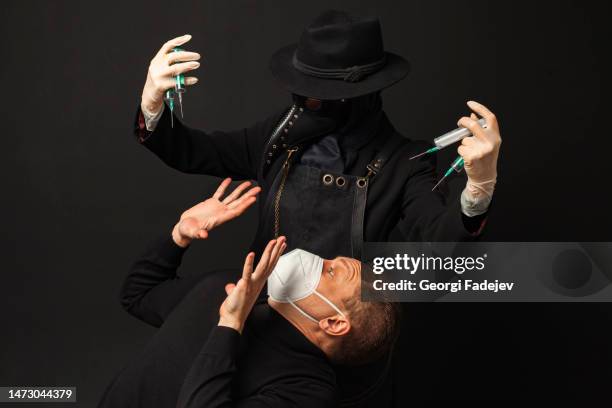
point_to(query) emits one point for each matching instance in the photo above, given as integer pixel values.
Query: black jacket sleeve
(208, 383)
(152, 287)
(235, 154)
(425, 214)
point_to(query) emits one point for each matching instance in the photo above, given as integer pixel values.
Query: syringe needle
(456, 165)
(418, 155)
(438, 183)
(432, 150)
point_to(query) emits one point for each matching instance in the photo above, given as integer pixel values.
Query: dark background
(81, 197)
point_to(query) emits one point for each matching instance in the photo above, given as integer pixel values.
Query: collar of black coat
(362, 133)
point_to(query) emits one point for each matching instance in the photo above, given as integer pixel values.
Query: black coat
(400, 204)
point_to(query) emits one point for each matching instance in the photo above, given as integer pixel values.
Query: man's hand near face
(242, 296)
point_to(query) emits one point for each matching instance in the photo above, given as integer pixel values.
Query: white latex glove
(162, 70)
(480, 154)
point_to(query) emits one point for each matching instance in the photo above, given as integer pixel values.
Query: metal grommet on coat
(328, 179)
(340, 181)
(362, 182)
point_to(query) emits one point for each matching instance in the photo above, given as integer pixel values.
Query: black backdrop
(80, 197)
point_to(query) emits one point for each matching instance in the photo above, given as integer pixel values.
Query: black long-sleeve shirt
(192, 362)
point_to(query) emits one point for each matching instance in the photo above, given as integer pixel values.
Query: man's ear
(337, 325)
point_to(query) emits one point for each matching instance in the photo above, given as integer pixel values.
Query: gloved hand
(161, 73)
(480, 152)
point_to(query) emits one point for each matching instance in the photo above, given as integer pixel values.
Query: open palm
(242, 295)
(196, 222)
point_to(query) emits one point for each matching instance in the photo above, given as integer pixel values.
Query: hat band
(350, 74)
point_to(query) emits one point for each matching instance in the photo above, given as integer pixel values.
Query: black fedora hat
(337, 57)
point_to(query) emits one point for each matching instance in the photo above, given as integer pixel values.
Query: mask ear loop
(329, 302)
(323, 298)
(306, 315)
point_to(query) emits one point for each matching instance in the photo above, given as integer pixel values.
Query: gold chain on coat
(279, 193)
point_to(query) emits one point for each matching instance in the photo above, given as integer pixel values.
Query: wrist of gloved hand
(151, 118)
(476, 196)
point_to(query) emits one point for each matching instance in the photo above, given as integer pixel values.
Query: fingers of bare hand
(221, 189)
(175, 42)
(280, 242)
(180, 68)
(263, 271)
(265, 257)
(248, 197)
(484, 112)
(229, 288)
(242, 284)
(191, 80)
(236, 193)
(202, 234)
(181, 56)
(237, 207)
(277, 251)
(247, 270)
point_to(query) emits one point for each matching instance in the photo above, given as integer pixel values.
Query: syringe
(169, 98)
(456, 165)
(179, 89)
(179, 85)
(449, 138)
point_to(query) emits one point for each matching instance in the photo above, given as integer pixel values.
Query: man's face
(340, 280)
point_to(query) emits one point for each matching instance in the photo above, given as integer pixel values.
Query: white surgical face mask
(296, 276)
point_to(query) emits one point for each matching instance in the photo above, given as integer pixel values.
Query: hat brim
(394, 70)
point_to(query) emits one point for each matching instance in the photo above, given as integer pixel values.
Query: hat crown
(336, 40)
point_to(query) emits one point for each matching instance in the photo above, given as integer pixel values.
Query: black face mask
(347, 113)
(338, 110)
